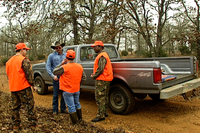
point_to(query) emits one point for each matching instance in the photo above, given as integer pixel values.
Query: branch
(186, 12)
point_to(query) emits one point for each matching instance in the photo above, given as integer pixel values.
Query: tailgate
(179, 89)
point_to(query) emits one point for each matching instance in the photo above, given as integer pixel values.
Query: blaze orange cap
(98, 43)
(70, 54)
(21, 46)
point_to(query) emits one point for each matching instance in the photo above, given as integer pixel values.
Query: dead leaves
(47, 123)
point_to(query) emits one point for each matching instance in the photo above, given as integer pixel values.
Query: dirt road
(174, 115)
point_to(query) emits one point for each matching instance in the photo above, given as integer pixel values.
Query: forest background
(147, 28)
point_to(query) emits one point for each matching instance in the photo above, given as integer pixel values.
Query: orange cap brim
(27, 48)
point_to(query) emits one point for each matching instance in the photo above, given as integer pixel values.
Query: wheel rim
(117, 100)
(38, 84)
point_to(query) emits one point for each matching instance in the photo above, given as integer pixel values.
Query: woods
(150, 28)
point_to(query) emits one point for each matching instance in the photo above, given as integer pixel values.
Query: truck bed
(184, 68)
(178, 80)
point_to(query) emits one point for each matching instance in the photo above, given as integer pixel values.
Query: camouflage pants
(101, 97)
(25, 98)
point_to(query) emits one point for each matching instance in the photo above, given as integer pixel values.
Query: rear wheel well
(119, 81)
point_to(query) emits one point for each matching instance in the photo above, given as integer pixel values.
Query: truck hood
(39, 65)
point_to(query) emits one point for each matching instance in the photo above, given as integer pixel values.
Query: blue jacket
(54, 60)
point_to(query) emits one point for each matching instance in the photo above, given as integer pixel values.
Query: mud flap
(191, 94)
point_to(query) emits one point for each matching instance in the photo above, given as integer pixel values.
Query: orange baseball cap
(98, 43)
(21, 46)
(70, 54)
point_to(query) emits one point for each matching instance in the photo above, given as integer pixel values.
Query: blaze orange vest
(16, 76)
(71, 78)
(107, 74)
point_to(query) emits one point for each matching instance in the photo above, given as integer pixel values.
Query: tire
(121, 99)
(141, 96)
(42, 88)
(156, 97)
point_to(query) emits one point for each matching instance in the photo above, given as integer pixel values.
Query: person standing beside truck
(103, 75)
(54, 59)
(71, 76)
(20, 77)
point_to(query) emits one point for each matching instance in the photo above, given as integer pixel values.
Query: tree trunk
(125, 41)
(74, 21)
(139, 47)
(118, 41)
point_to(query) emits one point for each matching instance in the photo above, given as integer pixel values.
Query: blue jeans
(72, 101)
(55, 98)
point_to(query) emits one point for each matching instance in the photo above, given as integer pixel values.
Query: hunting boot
(79, 114)
(73, 117)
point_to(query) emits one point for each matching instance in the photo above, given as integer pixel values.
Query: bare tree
(193, 14)
(114, 19)
(90, 18)
(40, 23)
(141, 12)
(74, 17)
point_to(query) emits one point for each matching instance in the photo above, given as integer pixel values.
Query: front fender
(37, 73)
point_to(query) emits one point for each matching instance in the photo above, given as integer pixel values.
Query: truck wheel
(42, 88)
(121, 99)
(156, 97)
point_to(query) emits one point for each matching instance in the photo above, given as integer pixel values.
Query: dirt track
(173, 115)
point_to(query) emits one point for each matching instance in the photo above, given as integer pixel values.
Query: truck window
(65, 50)
(111, 51)
(87, 53)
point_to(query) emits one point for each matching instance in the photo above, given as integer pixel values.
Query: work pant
(101, 97)
(25, 98)
(72, 101)
(56, 91)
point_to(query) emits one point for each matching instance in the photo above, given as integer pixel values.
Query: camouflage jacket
(26, 66)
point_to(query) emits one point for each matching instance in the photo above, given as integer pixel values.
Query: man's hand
(64, 61)
(34, 88)
(92, 75)
(55, 78)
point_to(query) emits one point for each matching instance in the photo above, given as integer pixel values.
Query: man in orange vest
(71, 75)
(103, 75)
(20, 76)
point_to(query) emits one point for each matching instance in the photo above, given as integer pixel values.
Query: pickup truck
(133, 78)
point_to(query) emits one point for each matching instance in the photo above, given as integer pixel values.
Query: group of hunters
(67, 77)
